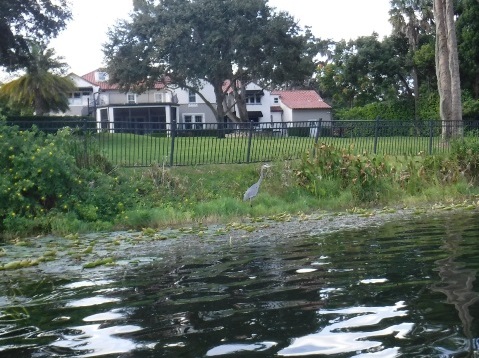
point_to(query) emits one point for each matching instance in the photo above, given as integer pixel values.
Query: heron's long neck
(260, 176)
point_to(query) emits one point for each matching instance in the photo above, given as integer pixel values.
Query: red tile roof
(302, 99)
(105, 85)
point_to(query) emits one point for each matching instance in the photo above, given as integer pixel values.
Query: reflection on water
(340, 336)
(239, 348)
(406, 289)
(456, 283)
(91, 301)
(94, 340)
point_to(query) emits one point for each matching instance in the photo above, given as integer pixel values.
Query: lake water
(403, 289)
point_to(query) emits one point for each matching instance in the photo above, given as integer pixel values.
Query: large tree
(42, 88)
(365, 70)
(447, 69)
(190, 42)
(26, 20)
(468, 43)
(412, 19)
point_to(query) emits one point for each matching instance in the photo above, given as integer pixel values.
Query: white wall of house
(200, 109)
(207, 91)
(276, 116)
(287, 113)
(81, 100)
(193, 105)
(264, 105)
(312, 114)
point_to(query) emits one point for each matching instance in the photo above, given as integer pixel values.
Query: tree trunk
(415, 80)
(220, 111)
(240, 99)
(39, 105)
(447, 69)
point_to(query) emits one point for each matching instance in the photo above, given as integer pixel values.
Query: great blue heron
(253, 189)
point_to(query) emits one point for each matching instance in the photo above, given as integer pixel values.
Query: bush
(38, 173)
(51, 124)
(329, 172)
(466, 153)
(299, 132)
(45, 177)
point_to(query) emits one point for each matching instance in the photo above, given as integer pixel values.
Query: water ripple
(341, 337)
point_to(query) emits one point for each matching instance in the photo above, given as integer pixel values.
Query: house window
(193, 121)
(191, 97)
(253, 99)
(276, 100)
(131, 98)
(75, 98)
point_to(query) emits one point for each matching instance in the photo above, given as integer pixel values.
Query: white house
(156, 108)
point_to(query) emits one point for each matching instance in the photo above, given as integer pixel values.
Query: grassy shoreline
(48, 188)
(212, 194)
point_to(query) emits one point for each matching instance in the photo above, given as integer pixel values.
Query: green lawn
(143, 150)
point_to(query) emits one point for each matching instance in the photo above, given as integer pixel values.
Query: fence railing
(140, 143)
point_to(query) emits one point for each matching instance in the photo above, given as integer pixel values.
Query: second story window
(191, 97)
(131, 98)
(253, 99)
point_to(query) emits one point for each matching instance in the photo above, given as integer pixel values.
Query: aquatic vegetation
(99, 262)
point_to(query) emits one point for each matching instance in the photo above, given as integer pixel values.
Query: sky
(81, 43)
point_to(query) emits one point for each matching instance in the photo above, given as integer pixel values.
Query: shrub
(44, 177)
(329, 172)
(466, 153)
(38, 173)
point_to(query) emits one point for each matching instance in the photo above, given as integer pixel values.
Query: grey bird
(253, 189)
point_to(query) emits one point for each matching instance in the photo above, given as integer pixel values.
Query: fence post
(318, 131)
(173, 135)
(85, 145)
(317, 135)
(376, 133)
(250, 138)
(430, 136)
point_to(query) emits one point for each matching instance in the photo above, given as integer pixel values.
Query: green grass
(143, 150)
(213, 193)
(158, 196)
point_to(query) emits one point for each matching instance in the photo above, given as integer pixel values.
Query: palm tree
(42, 88)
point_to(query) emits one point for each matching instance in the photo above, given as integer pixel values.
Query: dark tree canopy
(365, 70)
(197, 41)
(468, 39)
(27, 20)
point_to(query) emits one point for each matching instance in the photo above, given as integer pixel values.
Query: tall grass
(377, 180)
(326, 178)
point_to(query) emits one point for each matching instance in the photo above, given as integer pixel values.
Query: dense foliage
(188, 42)
(468, 43)
(26, 20)
(328, 172)
(402, 109)
(385, 73)
(43, 177)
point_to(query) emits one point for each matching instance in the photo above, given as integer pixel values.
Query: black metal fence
(147, 143)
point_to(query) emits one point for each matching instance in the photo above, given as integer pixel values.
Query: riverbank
(96, 254)
(78, 197)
